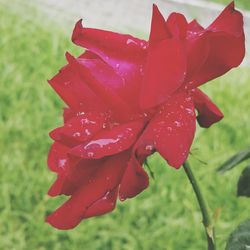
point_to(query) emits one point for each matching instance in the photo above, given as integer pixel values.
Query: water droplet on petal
(169, 129)
(90, 154)
(76, 134)
(149, 148)
(87, 132)
(130, 41)
(62, 163)
(177, 124)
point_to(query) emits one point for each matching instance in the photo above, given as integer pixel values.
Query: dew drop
(130, 41)
(87, 132)
(149, 148)
(177, 124)
(169, 129)
(66, 83)
(122, 198)
(77, 134)
(90, 154)
(62, 163)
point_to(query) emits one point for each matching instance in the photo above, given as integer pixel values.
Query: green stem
(209, 228)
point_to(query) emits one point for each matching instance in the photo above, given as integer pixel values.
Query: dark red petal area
(103, 81)
(76, 173)
(223, 45)
(100, 186)
(110, 142)
(171, 131)
(75, 92)
(164, 72)
(79, 129)
(135, 178)
(209, 113)
(104, 205)
(159, 30)
(124, 53)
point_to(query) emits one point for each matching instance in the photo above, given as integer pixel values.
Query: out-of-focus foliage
(240, 238)
(243, 4)
(235, 160)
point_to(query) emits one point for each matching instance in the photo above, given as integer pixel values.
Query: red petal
(79, 128)
(209, 113)
(110, 142)
(229, 21)
(104, 205)
(108, 44)
(134, 181)
(162, 75)
(172, 130)
(193, 28)
(68, 114)
(177, 25)
(78, 207)
(226, 46)
(124, 53)
(198, 50)
(88, 70)
(75, 92)
(74, 176)
(57, 157)
(159, 30)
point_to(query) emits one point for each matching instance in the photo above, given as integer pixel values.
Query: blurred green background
(165, 216)
(244, 4)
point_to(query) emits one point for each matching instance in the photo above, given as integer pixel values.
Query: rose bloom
(128, 98)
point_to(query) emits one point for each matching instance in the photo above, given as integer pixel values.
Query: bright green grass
(244, 4)
(165, 216)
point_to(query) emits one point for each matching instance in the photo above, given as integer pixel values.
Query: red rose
(127, 99)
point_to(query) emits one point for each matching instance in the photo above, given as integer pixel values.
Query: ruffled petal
(75, 92)
(162, 75)
(104, 205)
(103, 81)
(79, 129)
(223, 47)
(135, 179)
(172, 130)
(108, 44)
(209, 113)
(75, 174)
(124, 53)
(99, 186)
(229, 21)
(110, 142)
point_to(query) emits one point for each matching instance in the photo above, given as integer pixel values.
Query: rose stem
(209, 229)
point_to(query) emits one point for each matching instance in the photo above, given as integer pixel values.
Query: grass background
(244, 4)
(165, 216)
